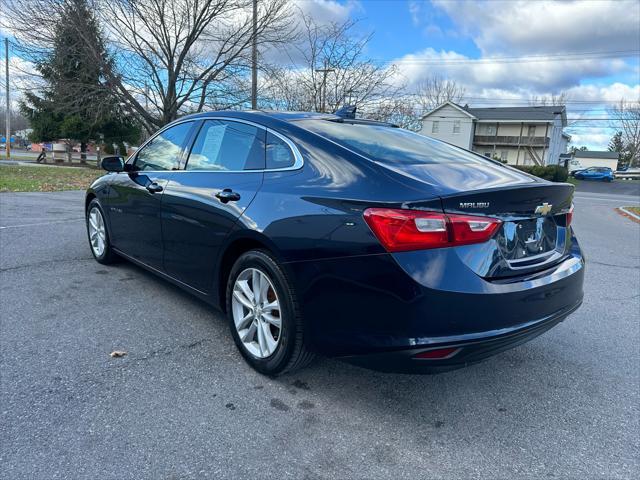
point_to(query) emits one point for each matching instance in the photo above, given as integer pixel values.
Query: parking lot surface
(183, 404)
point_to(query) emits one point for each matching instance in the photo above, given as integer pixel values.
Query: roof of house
(596, 154)
(517, 113)
(523, 114)
(451, 104)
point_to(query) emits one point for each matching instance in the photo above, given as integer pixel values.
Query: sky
(503, 52)
(588, 49)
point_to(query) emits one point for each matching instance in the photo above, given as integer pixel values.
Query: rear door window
(223, 145)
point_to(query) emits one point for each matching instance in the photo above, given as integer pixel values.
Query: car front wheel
(99, 234)
(264, 315)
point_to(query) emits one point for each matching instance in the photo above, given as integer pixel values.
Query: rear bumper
(467, 351)
(378, 309)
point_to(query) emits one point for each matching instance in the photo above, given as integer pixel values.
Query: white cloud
(535, 77)
(328, 11)
(545, 27)
(323, 12)
(415, 12)
(592, 138)
(22, 77)
(606, 93)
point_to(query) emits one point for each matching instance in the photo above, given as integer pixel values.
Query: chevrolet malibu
(320, 234)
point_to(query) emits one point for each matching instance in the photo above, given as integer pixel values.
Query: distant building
(589, 158)
(516, 135)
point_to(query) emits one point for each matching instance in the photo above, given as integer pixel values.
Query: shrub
(554, 173)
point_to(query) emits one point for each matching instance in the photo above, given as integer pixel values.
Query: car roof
(284, 116)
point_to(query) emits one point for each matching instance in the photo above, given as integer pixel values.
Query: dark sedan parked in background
(351, 238)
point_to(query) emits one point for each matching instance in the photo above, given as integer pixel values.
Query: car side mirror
(113, 164)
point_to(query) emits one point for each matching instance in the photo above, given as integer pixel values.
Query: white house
(517, 135)
(589, 158)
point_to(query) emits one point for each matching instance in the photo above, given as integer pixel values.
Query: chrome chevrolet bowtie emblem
(544, 209)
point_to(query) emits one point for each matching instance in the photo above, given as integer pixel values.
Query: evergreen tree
(76, 102)
(617, 145)
(574, 149)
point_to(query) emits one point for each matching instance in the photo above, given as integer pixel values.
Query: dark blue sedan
(603, 174)
(350, 238)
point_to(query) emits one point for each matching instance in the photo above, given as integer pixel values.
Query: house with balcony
(515, 135)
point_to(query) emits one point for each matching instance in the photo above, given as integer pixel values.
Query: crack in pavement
(163, 351)
(631, 267)
(44, 262)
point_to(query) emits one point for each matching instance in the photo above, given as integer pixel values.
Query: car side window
(165, 150)
(279, 154)
(227, 146)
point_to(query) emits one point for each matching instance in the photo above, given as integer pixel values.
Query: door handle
(153, 187)
(227, 195)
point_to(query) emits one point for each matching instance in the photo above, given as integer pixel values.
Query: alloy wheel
(97, 232)
(256, 312)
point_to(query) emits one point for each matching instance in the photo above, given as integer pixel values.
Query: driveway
(617, 187)
(183, 404)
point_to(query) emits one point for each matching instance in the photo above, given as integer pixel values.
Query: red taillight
(400, 230)
(570, 216)
(468, 229)
(438, 354)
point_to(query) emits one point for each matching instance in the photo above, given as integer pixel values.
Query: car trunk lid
(533, 233)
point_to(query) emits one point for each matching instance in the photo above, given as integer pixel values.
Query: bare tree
(437, 90)
(328, 69)
(549, 100)
(625, 117)
(399, 110)
(167, 57)
(186, 53)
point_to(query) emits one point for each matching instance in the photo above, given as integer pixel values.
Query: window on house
(435, 127)
(456, 126)
(486, 129)
(532, 131)
(487, 154)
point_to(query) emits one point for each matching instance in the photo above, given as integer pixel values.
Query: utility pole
(323, 88)
(8, 108)
(254, 58)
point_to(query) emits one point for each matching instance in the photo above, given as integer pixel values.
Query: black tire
(108, 256)
(292, 352)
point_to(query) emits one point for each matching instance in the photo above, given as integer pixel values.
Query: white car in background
(628, 174)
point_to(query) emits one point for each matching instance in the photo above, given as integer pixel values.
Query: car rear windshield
(388, 144)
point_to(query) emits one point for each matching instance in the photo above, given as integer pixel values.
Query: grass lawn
(18, 178)
(29, 156)
(572, 181)
(635, 210)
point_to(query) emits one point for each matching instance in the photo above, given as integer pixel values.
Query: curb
(629, 214)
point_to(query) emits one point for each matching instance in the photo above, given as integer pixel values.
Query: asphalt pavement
(183, 404)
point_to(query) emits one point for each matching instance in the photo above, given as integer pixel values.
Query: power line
(518, 59)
